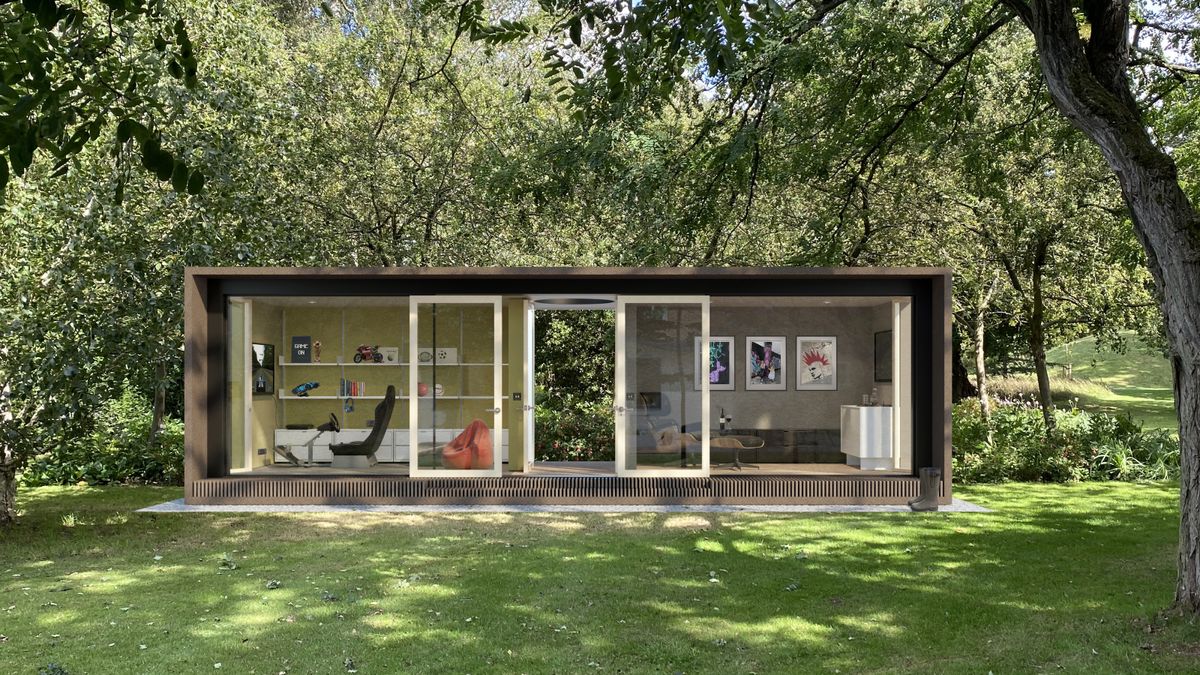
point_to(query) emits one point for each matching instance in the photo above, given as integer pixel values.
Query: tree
(68, 69)
(628, 53)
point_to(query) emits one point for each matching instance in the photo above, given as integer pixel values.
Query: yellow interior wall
(468, 329)
(237, 374)
(382, 326)
(514, 381)
(264, 328)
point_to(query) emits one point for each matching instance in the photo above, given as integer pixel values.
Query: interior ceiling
(331, 301)
(578, 301)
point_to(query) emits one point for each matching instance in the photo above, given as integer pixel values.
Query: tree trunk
(960, 383)
(8, 493)
(981, 383)
(1187, 401)
(1089, 84)
(1037, 334)
(981, 376)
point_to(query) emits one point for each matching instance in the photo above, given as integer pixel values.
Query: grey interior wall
(854, 328)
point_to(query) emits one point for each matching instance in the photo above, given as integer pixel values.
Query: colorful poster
(818, 363)
(716, 364)
(766, 361)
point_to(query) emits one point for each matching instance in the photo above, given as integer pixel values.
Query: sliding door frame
(620, 396)
(414, 400)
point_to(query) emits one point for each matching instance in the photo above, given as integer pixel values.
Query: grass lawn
(1137, 382)
(1059, 577)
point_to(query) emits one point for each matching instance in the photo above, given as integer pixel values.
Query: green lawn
(1137, 382)
(1066, 577)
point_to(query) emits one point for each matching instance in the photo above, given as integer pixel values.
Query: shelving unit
(340, 329)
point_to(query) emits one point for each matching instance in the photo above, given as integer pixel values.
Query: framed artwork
(301, 349)
(818, 363)
(719, 368)
(766, 363)
(883, 356)
(262, 368)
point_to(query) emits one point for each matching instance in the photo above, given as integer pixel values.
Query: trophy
(317, 351)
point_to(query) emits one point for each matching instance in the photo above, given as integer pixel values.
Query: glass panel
(456, 389)
(664, 403)
(236, 381)
(810, 385)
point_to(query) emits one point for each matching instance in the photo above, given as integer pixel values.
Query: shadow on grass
(1057, 576)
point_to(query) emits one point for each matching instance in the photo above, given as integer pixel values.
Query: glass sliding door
(661, 394)
(455, 385)
(237, 383)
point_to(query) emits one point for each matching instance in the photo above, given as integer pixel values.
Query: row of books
(352, 389)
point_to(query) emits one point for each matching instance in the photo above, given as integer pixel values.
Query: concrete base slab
(177, 506)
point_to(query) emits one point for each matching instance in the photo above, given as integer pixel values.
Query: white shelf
(378, 365)
(339, 365)
(293, 397)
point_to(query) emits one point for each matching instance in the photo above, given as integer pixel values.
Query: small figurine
(303, 389)
(368, 353)
(317, 351)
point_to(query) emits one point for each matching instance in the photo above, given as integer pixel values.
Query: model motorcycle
(368, 353)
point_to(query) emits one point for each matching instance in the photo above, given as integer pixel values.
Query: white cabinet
(867, 436)
(399, 445)
(297, 441)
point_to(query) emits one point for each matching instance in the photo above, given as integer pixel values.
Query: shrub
(117, 451)
(570, 428)
(1083, 446)
(574, 378)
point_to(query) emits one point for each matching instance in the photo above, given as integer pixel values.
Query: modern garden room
(805, 385)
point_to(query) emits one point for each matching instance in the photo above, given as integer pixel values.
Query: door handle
(492, 410)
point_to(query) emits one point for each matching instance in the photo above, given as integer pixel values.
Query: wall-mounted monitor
(262, 369)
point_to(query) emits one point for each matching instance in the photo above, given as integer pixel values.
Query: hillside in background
(1137, 382)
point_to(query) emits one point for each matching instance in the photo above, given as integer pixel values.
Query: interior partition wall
(237, 384)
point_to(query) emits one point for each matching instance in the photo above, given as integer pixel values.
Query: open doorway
(573, 382)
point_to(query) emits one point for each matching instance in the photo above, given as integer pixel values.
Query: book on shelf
(352, 388)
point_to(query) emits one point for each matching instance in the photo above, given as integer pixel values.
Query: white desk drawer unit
(393, 448)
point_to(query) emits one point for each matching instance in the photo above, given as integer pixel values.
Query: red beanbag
(472, 449)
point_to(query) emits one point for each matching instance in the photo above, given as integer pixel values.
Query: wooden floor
(577, 469)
